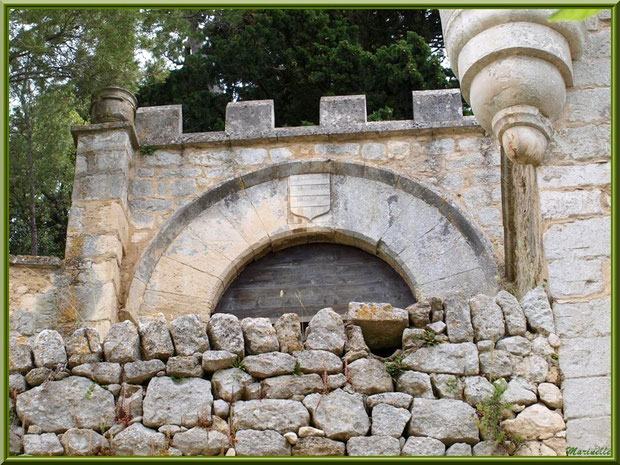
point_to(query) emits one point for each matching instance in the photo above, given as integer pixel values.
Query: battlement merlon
(161, 126)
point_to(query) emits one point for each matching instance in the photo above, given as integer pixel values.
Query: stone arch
(207, 243)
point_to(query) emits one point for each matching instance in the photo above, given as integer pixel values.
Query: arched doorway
(306, 278)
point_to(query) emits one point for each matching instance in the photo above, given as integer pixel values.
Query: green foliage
(148, 149)
(89, 392)
(175, 379)
(296, 56)
(555, 356)
(297, 370)
(382, 114)
(574, 14)
(491, 412)
(395, 366)
(239, 363)
(452, 385)
(428, 339)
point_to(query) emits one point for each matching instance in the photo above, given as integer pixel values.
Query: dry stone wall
(221, 386)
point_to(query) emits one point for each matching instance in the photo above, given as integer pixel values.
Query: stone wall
(575, 188)
(230, 387)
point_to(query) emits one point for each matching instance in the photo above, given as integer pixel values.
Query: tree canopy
(201, 58)
(296, 56)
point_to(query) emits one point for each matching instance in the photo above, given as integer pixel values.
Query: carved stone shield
(309, 195)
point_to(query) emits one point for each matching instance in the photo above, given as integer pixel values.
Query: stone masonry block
(589, 433)
(581, 357)
(343, 110)
(161, 122)
(251, 119)
(437, 105)
(587, 397)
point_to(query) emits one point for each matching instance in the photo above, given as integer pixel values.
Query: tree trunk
(34, 239)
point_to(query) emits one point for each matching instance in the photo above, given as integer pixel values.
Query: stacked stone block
(230, 387)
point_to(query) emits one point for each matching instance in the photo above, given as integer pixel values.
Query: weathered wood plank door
(306, 278)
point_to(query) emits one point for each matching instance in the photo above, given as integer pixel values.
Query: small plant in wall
(394, 366)
(297, 370)
(428, 338)
(492, 411)
(239, 363)
(148, 149)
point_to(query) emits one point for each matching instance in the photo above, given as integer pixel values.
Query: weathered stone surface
(259, 335)
(395, 399)
(291, 438)
(477, 390)
(318, 361)
(20, 356)
(550, 394)
(420, 313)
(541, 346)
(438, 327)
(536, 422)
(558, 445)
(17, 384)
(141, 371)
(270, 414)
(122, 343)
(520, 392)
(413, 338)
(460, 449)
(447, 386)
(269, 364)
(288, 330)
(317, 446)
(373, 446)
(534, 448)
(534, 368)
(199, 441)
(458, 319)
(42, 444)
(189, 334)
(83, 346)
(287, 386)
(230, 384)
(416, 446)
(262, 443)
(49, 349)
(496, 364)
(355, 346)
(516, 324)
(214, 360)
(83, 442)
(139, 440)
(389, 421)
(16, 434)
(326, 332)
(455, 359)
(225, 333)
(73, 402)
(185, 402)
(187, 366)
(535, 305)
(382, 324)
(369, 376)
(516, 345)
(415, 383)
(489, 448)
(155, 338)
(129, 403)
(310, 432)
(101, 372)
(221, 408)
(38, 376)
(341, 415)
(448, 420)
(486, 318)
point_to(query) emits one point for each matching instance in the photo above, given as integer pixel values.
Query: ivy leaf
(573, 14)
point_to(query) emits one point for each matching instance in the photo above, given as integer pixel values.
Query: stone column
(98, 229)
(514, 67)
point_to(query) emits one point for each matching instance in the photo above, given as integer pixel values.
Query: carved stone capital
(514, 67)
